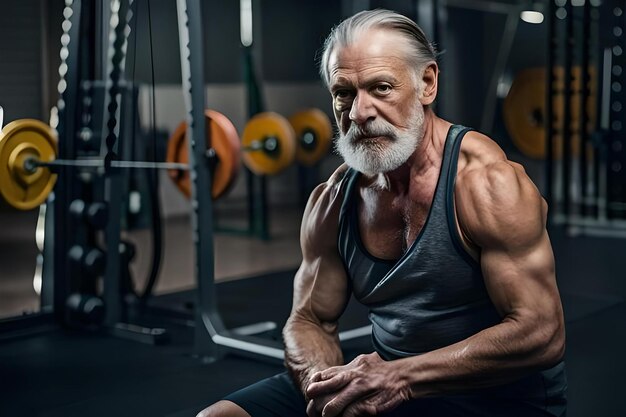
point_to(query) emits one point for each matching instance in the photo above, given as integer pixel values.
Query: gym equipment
(524, 109)
(28, 152)
(86, 309)
(95, 214)
(22, 141)
(68, 241)
(268, 143)
(224, 141)
(90, 261)
(314, 134)
(585, 175)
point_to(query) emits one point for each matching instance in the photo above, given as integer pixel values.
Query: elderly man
(438, 234)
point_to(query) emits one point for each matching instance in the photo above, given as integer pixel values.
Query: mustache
(370, 129)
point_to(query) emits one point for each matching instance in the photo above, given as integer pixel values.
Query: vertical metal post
(113, 176)
(64, 190)
(549, 120)
(427, 17)
(208, 322)
(585, 94)
(566, 148)
(258, 220)
(595, 186)
(508, 35)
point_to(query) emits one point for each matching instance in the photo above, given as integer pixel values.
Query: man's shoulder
(479, 150)
(481, 158)
(493, 193)
(325, 200)
(338, 175)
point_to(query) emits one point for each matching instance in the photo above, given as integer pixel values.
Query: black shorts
(278, 396)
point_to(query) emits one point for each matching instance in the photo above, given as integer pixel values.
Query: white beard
(372, 157)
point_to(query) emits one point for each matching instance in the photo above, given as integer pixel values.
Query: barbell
(269, 144)
(21, 141)
(314, 134)
(225, 143)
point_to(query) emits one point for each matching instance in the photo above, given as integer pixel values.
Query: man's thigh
(272, 397)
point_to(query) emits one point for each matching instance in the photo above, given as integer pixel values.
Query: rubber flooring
(69, 373)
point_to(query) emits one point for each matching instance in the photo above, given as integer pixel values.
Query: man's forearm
(309, 348)
(496, 355)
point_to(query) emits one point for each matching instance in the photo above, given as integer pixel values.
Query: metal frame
(590, 214)
(212, 338)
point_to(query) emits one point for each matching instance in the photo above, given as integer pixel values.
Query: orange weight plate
(269, 144)
(224, 140)
(525, 110)
(314, 134)
(20, 141)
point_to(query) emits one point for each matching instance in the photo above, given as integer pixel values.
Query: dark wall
(287, 36)
(462, 81)
(292, 35)
(21, 59)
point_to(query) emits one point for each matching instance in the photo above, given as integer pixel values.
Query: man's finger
(329, 372)
(329, 386)
(353, 393)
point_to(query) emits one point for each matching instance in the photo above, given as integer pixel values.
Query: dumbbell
(95, 214)
(85, 308)
(90, 261)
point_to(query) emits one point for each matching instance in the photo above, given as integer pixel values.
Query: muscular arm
(502, 213)
(320, 290)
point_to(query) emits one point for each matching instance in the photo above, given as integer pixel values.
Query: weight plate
(524, 110)
(224, 140)
(314, 134)
(21, 140)
(268, 143)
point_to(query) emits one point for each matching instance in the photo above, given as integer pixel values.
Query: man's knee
(223, 409)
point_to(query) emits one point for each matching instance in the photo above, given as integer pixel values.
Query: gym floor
(64, 373)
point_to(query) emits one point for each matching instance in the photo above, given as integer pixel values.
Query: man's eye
(383, 88)
(342, 94)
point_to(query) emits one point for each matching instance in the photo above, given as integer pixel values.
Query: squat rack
(212, 338)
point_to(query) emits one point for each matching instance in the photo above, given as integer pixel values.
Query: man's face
(375, 102)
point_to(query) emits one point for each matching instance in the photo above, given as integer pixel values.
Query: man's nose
(362, 109)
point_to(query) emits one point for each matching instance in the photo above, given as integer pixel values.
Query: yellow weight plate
(22, 140)
(314, 134)
(268, 143)
(225, 142)
(525, 110)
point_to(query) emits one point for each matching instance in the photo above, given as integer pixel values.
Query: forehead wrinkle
(368, 74)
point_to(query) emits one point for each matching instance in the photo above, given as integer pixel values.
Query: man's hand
(366, 386)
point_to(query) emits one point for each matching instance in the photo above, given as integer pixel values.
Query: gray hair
(421, 50)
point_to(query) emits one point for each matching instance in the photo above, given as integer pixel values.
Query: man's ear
(429, 84)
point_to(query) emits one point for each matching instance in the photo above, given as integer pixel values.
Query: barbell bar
(31, 164)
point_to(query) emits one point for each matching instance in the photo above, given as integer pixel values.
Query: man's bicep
(321, 285)
(321, 290)
(505, 216)
(522, 282)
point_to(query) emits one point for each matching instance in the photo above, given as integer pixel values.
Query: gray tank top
(434, 295)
